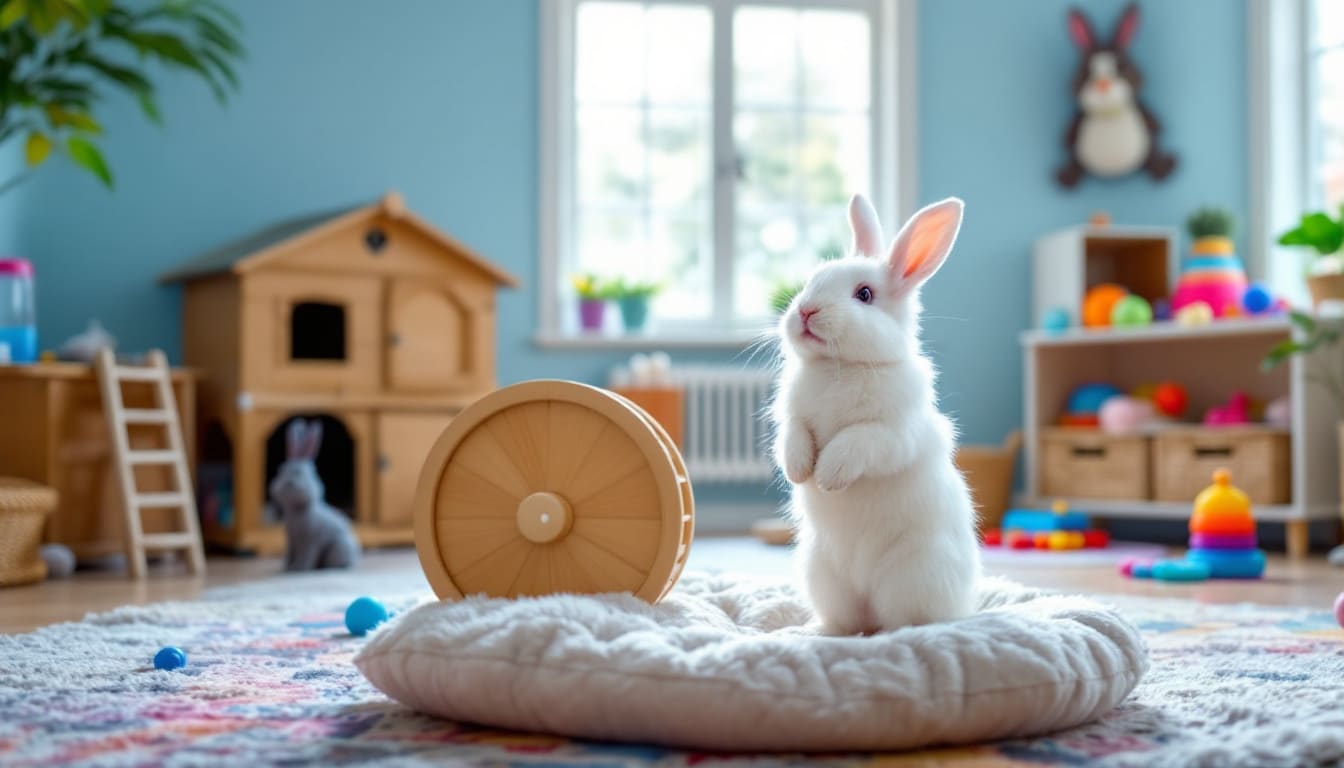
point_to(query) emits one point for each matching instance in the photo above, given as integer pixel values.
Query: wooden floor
(1311, 582)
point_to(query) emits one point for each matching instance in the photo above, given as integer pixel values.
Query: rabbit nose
(807, 312)
(1103, 85)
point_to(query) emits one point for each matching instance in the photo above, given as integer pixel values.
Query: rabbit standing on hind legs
(886, 526)
(316, 535)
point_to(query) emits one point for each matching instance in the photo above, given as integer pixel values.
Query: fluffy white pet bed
(728, 664)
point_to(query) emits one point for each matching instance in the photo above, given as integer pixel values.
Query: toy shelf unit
(1069, 262)
(366, 319)
(1295, 470)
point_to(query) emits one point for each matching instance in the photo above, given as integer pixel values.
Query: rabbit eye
(864, 294)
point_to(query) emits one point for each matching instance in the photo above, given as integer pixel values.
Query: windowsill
(734, 338)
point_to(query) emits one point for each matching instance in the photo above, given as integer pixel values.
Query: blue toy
(1056, 320)
(1257, 299)
(1142, 571)
(169, 658)
(1180, 570)
(364, 614)
(1088, 398)
(1230, 563)
(1036, 521)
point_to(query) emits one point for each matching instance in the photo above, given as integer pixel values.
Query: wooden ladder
(164, 413)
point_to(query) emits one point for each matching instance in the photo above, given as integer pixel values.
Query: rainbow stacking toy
(1222, 540)
(1222, 532)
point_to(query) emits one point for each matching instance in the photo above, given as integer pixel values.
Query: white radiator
(727, 426)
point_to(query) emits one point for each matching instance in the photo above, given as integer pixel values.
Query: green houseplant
(593, 293)
(60, 58)
(633, 298)
(1324, 235)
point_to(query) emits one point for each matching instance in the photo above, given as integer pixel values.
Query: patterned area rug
(270, 682)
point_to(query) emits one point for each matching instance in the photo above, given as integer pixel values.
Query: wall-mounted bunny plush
(886, 526)
(316, 535)
(1112, 133)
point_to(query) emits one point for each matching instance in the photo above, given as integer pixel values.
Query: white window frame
(1281, 188)
(893, 155)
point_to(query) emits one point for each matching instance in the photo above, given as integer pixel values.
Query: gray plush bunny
(317, 536)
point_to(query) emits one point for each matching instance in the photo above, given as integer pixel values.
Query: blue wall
(439, 100)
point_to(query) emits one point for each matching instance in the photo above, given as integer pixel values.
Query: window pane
(803, 131)
(1330, 126)
(1328, 21)
(643, 160)
(609, 52)
(765, 55)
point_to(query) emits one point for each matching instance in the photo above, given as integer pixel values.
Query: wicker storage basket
(989, 473)
(1084, 463)
(24, 506)
(1258, 457)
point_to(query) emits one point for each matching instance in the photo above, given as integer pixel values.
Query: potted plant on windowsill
(633, 298)
(593, 293)
(1325, 276)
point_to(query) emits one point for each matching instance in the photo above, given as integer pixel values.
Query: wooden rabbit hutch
(366, 318)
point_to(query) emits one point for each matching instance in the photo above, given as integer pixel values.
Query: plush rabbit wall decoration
(316, 535)
(1112, 132)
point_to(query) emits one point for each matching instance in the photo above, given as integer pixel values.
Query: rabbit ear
(865, 225)
(313, 440)
(294, 439)
(924, 243)
(1080, 30)
(1127, 26)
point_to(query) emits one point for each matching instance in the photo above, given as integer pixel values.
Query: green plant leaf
(1302, 320)
(37, 149)
(1278, 353)
(150, 108)
(1322, 232)
(12, 13)
(83, 152)
(64, 118)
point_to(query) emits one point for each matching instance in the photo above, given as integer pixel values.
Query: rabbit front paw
(799, 456)
(836, 470)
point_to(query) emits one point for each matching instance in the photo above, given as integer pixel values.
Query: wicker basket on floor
(24, 506)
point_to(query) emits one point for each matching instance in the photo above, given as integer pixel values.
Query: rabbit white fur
(886, 524)
(316, 535)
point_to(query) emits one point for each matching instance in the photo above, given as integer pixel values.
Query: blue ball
(1056, 320)
(1089, 397)
(170, 657)
(1161, 309)
(364, 614)
(1257, 299)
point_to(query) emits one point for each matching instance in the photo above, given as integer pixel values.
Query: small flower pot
(634, 312)
(592, 313)
(1325, 288)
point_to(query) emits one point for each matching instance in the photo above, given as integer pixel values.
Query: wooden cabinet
(54, 433)
(404, 442)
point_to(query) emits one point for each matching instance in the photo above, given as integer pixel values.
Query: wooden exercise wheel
(553, 486)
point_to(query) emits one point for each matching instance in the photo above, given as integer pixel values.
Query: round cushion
(728, 664)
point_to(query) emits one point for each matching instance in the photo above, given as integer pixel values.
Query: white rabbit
(886, 523)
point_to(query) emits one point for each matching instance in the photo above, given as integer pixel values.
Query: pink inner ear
(928, 238)
(1079, 31)
(1129, 24)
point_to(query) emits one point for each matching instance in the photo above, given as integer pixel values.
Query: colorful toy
(1257, 300)
(1084, 404)
(169, 658)
(1279, 412)
(1171, 399)
(1212, 273)
(1056, 320)
(1180, 570)
(1123, 415)
(1237, 410)
(1057, 529)
(363, 614)
(1194, 314)
(1339, 609)
(1099, 303)
(1131, 312)
(1222, 540)
(1162, 310)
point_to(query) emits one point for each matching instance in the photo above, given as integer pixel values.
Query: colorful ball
(1099, 302)
(1257, 299)
(169, 658)
(1056, 320)
(992, 537)
(1170, 399)
(1194, 314)
(1088, 398)
(1131, 312)
(364, 614)
(1339, 609)
(1122, 415)
(1162, 309)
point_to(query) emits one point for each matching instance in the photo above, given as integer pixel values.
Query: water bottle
(18, 314)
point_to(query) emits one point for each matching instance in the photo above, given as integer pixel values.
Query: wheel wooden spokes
(552, 487)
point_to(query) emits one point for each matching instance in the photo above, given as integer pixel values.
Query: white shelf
(1157, 332)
